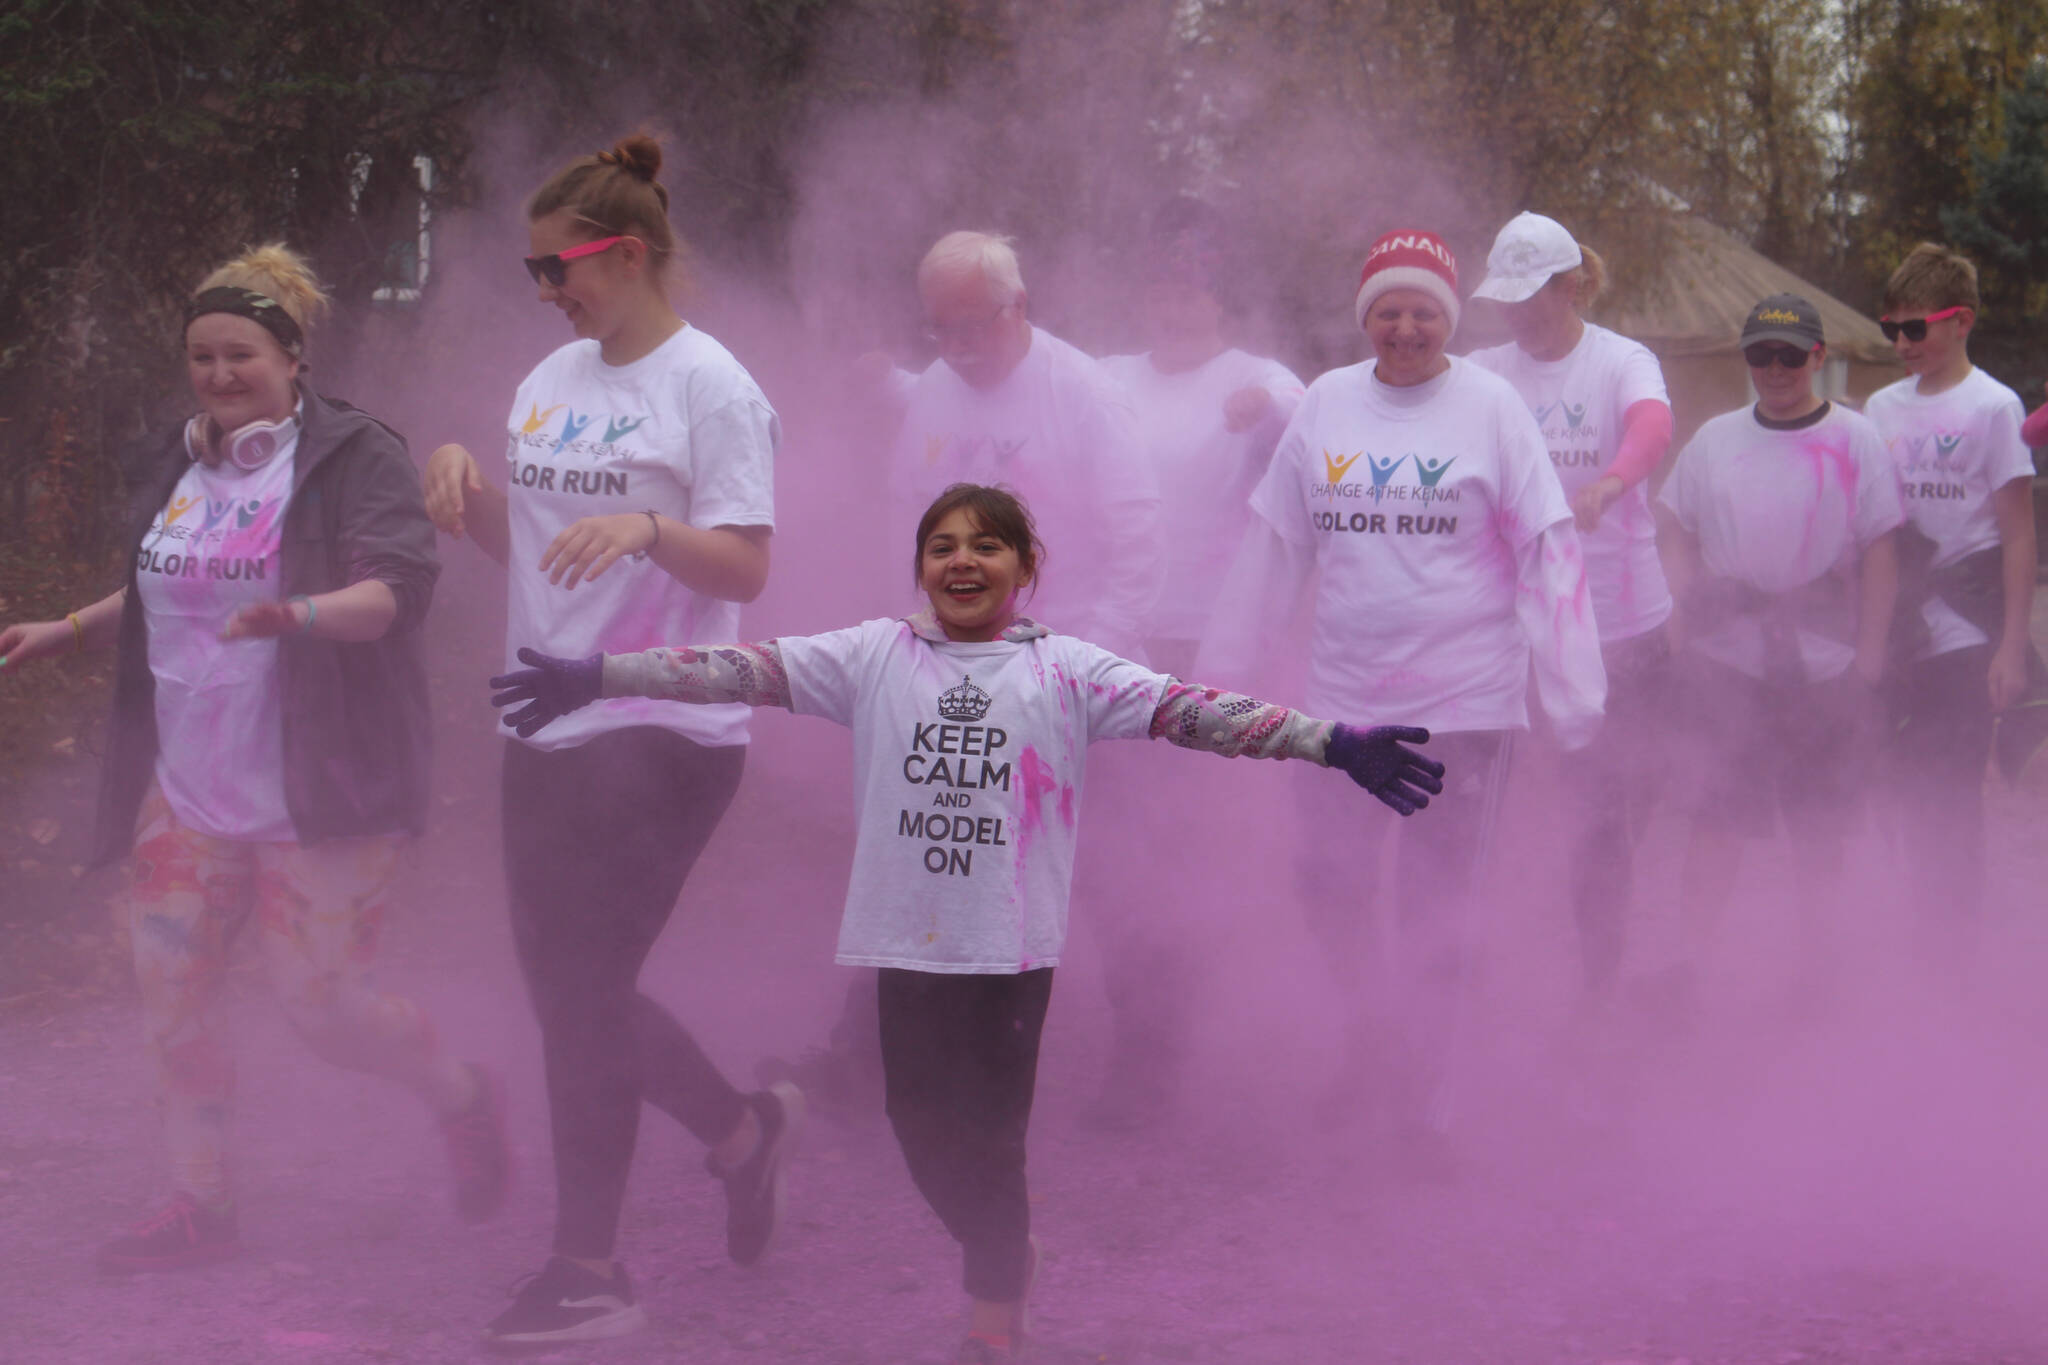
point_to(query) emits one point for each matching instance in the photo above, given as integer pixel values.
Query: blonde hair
(616, 194)
(1932, 278)
(989, 255)
(277, 272)
(1588, 277)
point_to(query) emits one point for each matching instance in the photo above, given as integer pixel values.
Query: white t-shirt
(684, 431)
(1579, 402)
(1953, 451)
(1206, 472)
(1416, 502)
(219, 722)
(968, 770)
(1060, 432)
(1779, 509)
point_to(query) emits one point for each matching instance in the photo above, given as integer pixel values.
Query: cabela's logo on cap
(965, 701)
(1777, 315)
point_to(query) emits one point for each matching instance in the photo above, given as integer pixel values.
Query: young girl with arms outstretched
(971, 727)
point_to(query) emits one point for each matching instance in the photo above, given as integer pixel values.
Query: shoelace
(524, 1285)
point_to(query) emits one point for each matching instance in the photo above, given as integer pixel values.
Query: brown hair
(1588, 278)
(277, 272)
(615, 194)
(1930, 279)
(994, 511)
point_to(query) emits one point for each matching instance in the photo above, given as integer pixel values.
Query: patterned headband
(247, 303)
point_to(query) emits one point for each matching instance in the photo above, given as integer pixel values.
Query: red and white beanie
(1410, 258)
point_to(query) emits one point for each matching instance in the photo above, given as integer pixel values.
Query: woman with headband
(267, 754)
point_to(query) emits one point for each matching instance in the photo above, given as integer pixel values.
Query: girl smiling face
(972, 577)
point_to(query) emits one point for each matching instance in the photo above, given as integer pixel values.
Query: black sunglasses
(1914, 329)
(554, 267)
(1763, 355)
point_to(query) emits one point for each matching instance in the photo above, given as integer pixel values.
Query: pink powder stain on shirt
(1822, 454)
(1059, 691)
(642, 622)
(1038, 780)
(253, 541)
(1564, 553)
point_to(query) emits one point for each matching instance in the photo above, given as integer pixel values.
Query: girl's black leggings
(960, 1062)
(598, 840)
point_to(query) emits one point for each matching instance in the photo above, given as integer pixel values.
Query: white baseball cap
(1528, 251)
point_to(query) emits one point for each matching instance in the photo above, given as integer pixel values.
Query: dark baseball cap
(1783, 317)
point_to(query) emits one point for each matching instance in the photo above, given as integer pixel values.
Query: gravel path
(1837, 1172)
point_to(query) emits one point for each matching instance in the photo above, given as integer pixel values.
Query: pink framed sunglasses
(1915, 329)
(553, 268)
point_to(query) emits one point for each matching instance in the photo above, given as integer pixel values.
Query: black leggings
(960, 1061)
(598, 840)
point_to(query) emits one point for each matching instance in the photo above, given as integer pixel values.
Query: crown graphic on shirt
(965, 701)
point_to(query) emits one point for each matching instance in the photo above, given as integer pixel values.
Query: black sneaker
(754, 1191)
(563, 1302)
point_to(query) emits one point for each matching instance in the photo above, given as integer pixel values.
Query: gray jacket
(356, 728)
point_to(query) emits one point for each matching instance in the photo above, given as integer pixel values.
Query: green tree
(2003, 226)
(147, 140)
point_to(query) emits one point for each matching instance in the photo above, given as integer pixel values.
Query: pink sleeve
(2034, 431)
(1645, 436)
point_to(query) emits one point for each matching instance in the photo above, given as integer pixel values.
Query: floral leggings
(319, 910)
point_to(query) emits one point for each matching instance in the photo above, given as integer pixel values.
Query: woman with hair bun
(268, 751)
(638, 510)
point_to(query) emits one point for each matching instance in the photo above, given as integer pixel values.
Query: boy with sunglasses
(1967, 572)
(1778, 527)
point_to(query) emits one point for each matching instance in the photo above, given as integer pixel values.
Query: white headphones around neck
(246, 447)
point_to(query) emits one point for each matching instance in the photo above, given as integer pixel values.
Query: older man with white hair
(1007, 402)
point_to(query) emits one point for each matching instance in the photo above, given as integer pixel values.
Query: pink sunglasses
(554, 267)
(1915, 329)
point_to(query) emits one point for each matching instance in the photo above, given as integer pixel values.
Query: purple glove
(1380, 761)
(551, 688)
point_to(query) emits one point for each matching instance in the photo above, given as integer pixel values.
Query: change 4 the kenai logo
(1424, 481)
(1409, 477)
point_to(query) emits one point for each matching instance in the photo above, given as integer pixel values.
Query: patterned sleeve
(1237, 726)
(749, 674)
